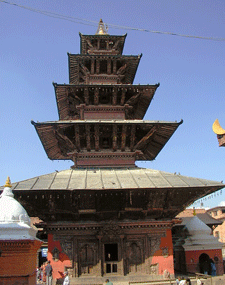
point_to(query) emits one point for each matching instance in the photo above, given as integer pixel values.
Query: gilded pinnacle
(8, 182)
(102, 28)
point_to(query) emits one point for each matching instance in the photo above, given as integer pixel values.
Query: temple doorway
(204, 264)
(111, 257)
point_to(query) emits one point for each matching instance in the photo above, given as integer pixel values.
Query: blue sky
(33, 54)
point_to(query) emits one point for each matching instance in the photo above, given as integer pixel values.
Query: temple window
(111, 252)
(103, 66)
(104, 97)
(103, 44)
(111, 257)
(55, 254)
(105, 143)
(94, 42)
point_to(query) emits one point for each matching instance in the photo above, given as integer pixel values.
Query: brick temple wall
(18, 262)
(142, 250)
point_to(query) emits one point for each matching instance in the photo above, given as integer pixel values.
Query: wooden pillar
(109, 66)
(114, 137)
(86, 96)
(123, 97)
(123, 139)
(101, 255)
(97, 137)
(76, 265)
(123, 254)
(97, 66)
(126, 110)
(88, 137)
(149, 254)
(81, 108)
(96, 96)
(114, 66)
(114, 96)
(77, 137)
(132, 137)
(92, 66)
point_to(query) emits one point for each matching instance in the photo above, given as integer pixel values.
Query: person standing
(66, 280)
(44, 272)
(48, 271)
(108, 282)
(188, 281)
(213, 268)
(183, 281)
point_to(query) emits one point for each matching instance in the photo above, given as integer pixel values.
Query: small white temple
(202, 248)
(201, 237)
(18, 242)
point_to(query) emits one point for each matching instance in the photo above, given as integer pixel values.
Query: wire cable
(94, 23)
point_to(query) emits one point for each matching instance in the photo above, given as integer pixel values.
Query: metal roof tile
(44, 182)
(100, 178)
(110, 180)
(26, 184)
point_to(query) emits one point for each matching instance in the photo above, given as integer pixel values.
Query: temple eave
(104, 140)
(86, 101)
(92, 203)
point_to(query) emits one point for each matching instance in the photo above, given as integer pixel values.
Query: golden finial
(194, 212)
(217, 128)
(8, 182)
(102, 29)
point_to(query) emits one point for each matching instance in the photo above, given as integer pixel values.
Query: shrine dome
(14, 220)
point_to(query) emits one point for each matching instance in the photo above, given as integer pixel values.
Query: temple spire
(102, 28)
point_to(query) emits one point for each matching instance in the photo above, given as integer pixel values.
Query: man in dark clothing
(48, 270)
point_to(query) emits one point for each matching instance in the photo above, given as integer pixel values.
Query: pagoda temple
(106, 217)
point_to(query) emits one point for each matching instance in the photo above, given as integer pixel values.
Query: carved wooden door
(86, 260)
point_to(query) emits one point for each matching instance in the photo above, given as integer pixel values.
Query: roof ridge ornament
(102, 28)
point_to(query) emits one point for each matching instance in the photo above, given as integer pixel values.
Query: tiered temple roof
(100, 111)
(122, 101)
(93, 194)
